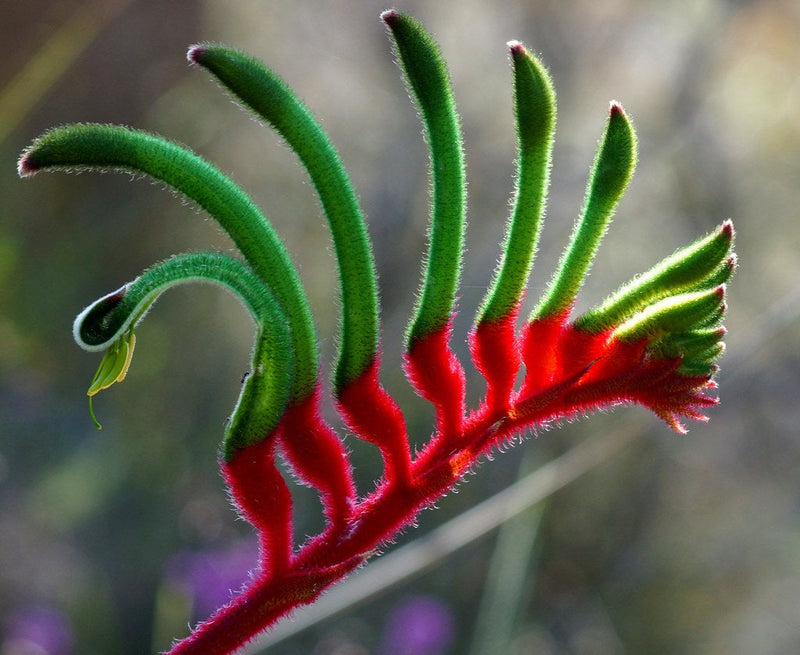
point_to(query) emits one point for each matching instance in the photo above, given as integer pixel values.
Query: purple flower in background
(210, 576)
(420, 625)
(40, 630)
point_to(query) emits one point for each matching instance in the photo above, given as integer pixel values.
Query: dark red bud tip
(390, 17)
(727, 229)
(26, 167)
(516, 48)
(195, 54)
(616, 110)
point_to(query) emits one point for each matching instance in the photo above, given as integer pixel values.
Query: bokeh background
(113, 541)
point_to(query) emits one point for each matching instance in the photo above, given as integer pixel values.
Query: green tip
(267, 95)
(429, 84)
(683, 313)
(535, 110)
(611, 172)
(688, 344)
(699, 266)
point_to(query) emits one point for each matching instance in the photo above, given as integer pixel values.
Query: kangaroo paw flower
(654, 342)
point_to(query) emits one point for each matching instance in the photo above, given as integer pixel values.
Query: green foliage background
(677, 545)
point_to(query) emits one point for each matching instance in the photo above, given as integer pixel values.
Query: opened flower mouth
(653, 342)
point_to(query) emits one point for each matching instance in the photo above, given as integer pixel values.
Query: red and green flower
(653, 342)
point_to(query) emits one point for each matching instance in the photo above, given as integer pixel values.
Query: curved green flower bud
(265, 392)
(109, 317)
(109, 322)
(429, 83)
(111, 147)
(611, 172)
(721, 275)
(694, 267)
(682, 313)
(535, 109)
(269, 97)
(688, 344)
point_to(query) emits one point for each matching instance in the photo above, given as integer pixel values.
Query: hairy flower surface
(653, 342)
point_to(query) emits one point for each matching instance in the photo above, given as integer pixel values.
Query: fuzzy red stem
(373, 415)
(436, 374)
(496, 352)
(260, 493)
(258, 607)
(318, 458)
(539, 338)
(568, 371)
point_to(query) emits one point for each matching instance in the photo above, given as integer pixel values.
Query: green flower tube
(611, 172)
(429, 83)
(693, 268)
(111, 147)
(535, 110)
(270, 98)
(109, 323)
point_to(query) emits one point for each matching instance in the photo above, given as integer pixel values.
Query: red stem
(260, 493)
(588, 371)
(259, 606)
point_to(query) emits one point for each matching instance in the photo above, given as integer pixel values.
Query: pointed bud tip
(195, 54)
(615, 109)
(516, 48)
(390, 17)
(25, 167)
(727, 230)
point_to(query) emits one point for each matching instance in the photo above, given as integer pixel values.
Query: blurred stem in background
(52, 59)
(510, 579)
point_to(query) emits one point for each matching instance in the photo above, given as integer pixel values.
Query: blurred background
(114, 541)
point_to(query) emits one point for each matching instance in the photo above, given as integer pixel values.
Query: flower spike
(270, 98)
(654, 342)
(494, 346)
(430, 365)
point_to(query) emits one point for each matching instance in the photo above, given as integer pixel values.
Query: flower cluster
(653, 342)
